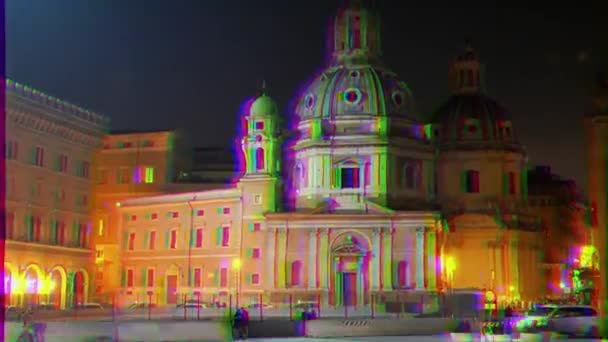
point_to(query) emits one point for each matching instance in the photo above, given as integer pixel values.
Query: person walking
(237, 324)
(245, 323)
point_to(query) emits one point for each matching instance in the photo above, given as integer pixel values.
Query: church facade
(361, 198)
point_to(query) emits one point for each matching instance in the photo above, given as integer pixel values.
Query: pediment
(349, 249)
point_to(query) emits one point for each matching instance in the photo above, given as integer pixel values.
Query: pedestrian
(237, 324)
(245, 323)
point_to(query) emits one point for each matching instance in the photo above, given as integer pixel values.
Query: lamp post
(236, 266)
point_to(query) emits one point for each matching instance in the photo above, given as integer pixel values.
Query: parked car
(141, 306)
(258, 305)
(568, 319)
(191, 309)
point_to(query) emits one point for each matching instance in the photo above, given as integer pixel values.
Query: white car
(191, 310)
(569, 319)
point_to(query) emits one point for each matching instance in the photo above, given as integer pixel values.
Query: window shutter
(217, 277)
(123, 278)
(337, 178)
(249, 252)
(396, 274)
(463, 181)
(146, 241)
(33, 155)
(144, 277)
(249, 278)
(192, 239)
(147, 216)
(250, 227)
(167, 238)
(523, 183)
(53, 231)
(218, 236)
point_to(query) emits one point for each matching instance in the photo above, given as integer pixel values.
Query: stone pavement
(384, 339)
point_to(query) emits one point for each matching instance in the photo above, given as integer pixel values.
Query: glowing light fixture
(236, 264)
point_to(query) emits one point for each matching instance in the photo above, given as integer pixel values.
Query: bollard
(184, 303)
(150, 306)
(261, 301)
(198, 306)
(319, 305)
(371, 304)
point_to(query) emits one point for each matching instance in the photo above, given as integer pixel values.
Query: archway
(80, 287)
(57, 287)
(349, 276)
(32, 278)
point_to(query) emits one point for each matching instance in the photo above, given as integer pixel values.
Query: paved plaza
(383, 339)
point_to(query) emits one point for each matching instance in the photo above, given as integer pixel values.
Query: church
(361, 198)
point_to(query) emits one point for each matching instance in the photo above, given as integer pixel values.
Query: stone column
(312, 258)
(387, 259)
(432, 260)
(281, 262)
(323, 258)
(420, 258)
(271, 260)
(375, 262)
(498, 268)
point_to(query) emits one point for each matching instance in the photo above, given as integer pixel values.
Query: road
(383, 339)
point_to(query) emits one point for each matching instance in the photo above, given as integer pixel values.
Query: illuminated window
(198, 277)
(255, 279)
(149, 175)
(130, 278)
(131, 241)
(199, 238)
(223, 277)
(470, 180)
(349, 177)
(173, 239)
(259, 159)
(138, 175)
(100, 227)
(152, 240)
(296, 270)
(150, 282)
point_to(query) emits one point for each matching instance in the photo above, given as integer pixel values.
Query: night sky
(152, 64)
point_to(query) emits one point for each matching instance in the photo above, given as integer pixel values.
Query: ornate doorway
(349, 278)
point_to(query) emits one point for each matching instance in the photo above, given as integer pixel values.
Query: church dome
(264, 106)
(354, 82)
(469, 116)
(351, 89)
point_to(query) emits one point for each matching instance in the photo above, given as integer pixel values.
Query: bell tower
(261, 149)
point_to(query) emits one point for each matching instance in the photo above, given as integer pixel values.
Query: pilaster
(271, 259)
(420, 258)
(432, 260)
(281, 257)
(387, 256)
(375, 264)
(312, 258)
(323, 258)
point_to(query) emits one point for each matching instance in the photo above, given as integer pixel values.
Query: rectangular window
(149, 176)
(133, 218)
(173, 240)
(226, 211)
(511, 183)
(200, 212)
(37, 229)
(10, 225)
(259, 125)
(255, 253)
(197, 277)
(102, 176)
(123, 176)
(82, 235)
(150, 277)
(255, 279)
(154, 216)
(257, 199)
(129, 278)
(199, 238)
(471, 181)
(173, 214)
(225, 236)
(138, 175)
(39, 156)
(147, 143)
(349, 177)
(257, 227)
(85, 169)
(63, 163)
(12, 150)
(61, 233)
(152, 240)
(100, 227)
(223, 277)
(131, 241)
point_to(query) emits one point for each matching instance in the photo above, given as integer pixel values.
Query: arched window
(259, 159)
(296, 272)
(402, 274)
(367, 173)
(301, 180)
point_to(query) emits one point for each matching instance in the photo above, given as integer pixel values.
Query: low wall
(377, 327)
(128, 331)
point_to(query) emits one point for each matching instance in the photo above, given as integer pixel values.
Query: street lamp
(236, 266)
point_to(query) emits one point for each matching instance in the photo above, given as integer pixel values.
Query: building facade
(49, 150)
